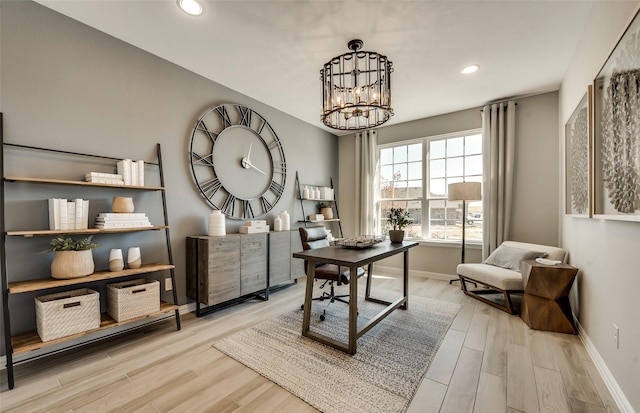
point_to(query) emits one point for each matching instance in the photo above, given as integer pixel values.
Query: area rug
(382, 376)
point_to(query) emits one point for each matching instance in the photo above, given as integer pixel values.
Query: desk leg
(353, 309)
(306, 317)
(405, 274)
(369, 280)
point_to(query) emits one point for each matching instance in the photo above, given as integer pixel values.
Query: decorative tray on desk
(360, 242)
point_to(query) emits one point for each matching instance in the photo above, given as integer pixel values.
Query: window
(414, 175)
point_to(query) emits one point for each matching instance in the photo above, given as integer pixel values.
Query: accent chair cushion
(509, 257)
(499, 277)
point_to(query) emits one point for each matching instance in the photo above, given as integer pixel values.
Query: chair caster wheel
(302, 307)
(322, 317)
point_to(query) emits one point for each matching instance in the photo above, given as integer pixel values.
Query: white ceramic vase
(134, 259)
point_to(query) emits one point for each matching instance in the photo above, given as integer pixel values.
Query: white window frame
(425, 199)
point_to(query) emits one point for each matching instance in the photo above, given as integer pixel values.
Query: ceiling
(272, 51)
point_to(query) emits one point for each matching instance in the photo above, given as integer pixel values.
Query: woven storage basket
(131, 299)
(67, 313)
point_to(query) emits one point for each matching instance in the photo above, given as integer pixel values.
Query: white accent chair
(504, 277)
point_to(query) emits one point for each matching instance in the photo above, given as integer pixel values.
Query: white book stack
(104, 178)
(254, 227)
(132, 172)
(114, 220)
(68, 215)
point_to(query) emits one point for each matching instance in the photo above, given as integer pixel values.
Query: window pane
(415, 152)
(386, 173)
(455, 146)
(437, 168)
(473, 165)
(437, 187)
(415, 189)
(400, 154)
(400, 171)
(454, 166)
(414, 170)
(437, 149)
(386, 156)
(473, 144)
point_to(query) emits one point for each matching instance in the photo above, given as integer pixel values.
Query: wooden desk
(353, 258)
(545, 303)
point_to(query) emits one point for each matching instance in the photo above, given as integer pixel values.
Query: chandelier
(356, 89)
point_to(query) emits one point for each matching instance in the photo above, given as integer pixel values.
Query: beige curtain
(366, 182)
(498, 129)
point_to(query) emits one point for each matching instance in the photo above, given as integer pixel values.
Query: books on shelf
(68, 215)
(132, 172)
(253, 229)
(104, 178)
(256, 223)
(114, 220)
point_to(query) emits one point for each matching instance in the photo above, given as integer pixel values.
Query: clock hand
(249, 164)
(249, 154)
(245, 163)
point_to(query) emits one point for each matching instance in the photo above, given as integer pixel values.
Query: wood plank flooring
(489, 361)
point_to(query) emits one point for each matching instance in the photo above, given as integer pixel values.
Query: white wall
(606, 252)
(71, 87)
(535, 212)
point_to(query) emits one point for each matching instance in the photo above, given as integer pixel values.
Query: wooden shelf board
(324, 220)
(79, 183)
(47, 283)
(30, 341)
(48, 232)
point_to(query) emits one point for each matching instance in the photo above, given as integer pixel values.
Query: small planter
(327, 212)
(72, 264)
(396, 235)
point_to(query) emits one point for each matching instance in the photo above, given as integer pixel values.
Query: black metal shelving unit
(21, 348)
(305, 220)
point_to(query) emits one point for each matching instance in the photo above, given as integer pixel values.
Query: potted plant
(326, 209)
(398, 218)
(71, 259)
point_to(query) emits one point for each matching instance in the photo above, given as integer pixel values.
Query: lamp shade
(465, 191)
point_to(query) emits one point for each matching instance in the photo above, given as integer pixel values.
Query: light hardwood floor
(489, 362)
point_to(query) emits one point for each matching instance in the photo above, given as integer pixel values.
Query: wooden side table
(545, 303)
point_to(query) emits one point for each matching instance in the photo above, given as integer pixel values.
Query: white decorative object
(312, 193)
(277, 224)
(305, 193)
(116, 262)
(286, 223)
(316, 193)
(134, 260)
(216, 224)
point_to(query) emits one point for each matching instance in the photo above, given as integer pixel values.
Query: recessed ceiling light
(191, 7)
(470, 69)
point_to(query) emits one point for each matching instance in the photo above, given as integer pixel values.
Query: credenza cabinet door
(279, 257)
(253, 263)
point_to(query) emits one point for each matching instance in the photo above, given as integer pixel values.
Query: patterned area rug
(381, 377)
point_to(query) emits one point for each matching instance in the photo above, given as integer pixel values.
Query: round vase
(116, 262)
(134, 259)
(122, 204)
(396, 235)
(72, 264)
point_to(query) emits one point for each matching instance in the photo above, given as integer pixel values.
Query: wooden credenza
(222, 269)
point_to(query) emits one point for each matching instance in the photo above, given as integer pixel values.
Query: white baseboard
(610, 381)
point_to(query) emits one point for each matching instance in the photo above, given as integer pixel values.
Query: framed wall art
(578, 159)
(616, 128)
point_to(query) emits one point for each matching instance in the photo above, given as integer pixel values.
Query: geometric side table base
(545, 303)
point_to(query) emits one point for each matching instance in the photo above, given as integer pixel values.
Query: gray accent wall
(67, 86)
(605, 251)
(536, 186)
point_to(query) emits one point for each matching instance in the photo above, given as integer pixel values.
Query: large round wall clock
(237, 161)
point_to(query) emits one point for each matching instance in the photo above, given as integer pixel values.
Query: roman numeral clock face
(237, 161)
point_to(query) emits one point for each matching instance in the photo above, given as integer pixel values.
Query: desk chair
(316, 237)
